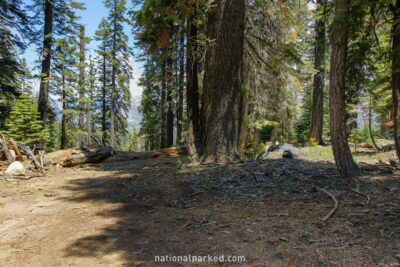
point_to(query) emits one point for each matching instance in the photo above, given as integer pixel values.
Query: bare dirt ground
(126, 213)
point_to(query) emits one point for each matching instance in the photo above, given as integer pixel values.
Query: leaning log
(79, 157)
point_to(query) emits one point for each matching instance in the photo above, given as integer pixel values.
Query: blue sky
(91, 17)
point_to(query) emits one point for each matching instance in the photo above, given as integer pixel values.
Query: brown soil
(126, 213)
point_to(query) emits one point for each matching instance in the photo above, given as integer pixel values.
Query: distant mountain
(134, 116)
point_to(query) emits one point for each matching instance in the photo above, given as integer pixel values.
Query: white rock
(15, 168)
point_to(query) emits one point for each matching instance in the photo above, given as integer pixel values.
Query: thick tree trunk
(192, 93)
(82, 87)
(179, 110)
(319, 61)
(46, 61)
(341, 151)
(223, 84)
(396, 74)
(274, 135)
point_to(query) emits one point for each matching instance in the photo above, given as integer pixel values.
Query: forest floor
(126, 213)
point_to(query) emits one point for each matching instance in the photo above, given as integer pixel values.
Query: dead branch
(30, 154)
(14, 146)
(334, 200)
(362, 194)
(5, 148)
(41, 154)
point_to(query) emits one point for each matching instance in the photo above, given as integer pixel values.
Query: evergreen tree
(133, 143)
(104, 63)
(14, 30)
(24, 125)
(121, 71)
(65, 83)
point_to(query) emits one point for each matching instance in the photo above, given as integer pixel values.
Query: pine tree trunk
(223, 84)
(64, 105)
(319, 61)
(46, 61)
(82, 87)
(103, 109)
(192, 93)
(371, 136)
(113, 85)
(179, 111)
(256, 140)
(396, 74)
(341, 151)
(170, 106)
(89, 123)
(164, 105)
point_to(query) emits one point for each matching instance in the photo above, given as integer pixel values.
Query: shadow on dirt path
(269, 213)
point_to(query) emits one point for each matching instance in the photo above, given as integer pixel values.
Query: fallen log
(79, 157)
(162, 153)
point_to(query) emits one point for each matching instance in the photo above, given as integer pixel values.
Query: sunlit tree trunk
(192, 93)
(223, 84)
(396, 74)
(341, 151)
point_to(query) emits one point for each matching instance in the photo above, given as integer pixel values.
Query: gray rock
(285, 150)
(15, 168)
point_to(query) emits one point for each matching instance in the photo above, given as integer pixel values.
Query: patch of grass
(319, 153)
(324, 153)
(193, 165)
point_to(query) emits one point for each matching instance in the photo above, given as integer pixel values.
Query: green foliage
(24, 125)
(133, 143)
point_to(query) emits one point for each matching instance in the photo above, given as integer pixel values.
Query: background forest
(220, 77)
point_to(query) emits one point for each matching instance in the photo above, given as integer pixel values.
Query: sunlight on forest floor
(360, 154)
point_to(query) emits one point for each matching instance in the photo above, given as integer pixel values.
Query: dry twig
(334, 200)
(362, 194)
(30, 154)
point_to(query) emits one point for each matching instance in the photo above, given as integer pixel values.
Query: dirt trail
(124, 214)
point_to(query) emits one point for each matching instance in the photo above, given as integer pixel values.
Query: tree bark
(82, 87)
(396, 74)
(46, 61)
(170, 107)
(164, 103)
(192, 93)
(64, 106)
(179, 110)
(223, 84)
(341, 151)
(317, 113)
(103, 108)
